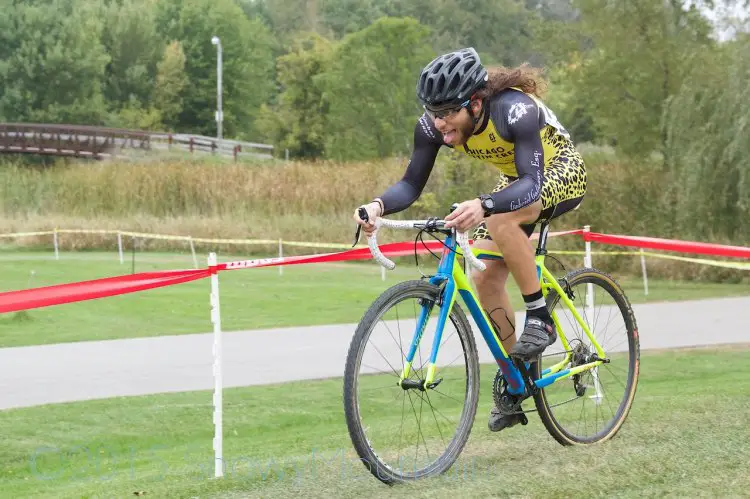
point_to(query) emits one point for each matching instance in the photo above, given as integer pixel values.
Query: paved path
(100, 369)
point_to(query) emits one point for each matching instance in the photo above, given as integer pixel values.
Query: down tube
(512, 375)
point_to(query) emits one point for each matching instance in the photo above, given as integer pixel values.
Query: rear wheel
(593, 405)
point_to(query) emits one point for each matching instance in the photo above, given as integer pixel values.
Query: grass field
(250, 299)
(686, 436)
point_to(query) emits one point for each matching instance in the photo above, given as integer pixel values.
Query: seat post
(541, 248)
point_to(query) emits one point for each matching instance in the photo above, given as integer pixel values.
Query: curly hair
(527, 78)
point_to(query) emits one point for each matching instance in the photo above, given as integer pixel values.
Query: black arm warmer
(529, 159)
(403, 193)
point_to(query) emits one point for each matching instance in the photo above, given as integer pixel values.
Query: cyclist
(495, 115)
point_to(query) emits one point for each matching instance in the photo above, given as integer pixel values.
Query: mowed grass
(250, 298)
(687, 436)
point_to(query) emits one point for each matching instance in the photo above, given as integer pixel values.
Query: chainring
(504, 401)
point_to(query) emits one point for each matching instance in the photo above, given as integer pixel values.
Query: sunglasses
(445, 112)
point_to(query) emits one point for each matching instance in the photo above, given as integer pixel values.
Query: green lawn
(251, 298)
(687, 435)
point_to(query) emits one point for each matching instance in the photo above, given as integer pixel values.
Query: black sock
(536, 306)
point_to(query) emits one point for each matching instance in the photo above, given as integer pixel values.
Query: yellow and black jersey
(513, 113)
(518, 135)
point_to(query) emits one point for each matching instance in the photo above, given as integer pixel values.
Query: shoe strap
(539, 325)
(536, 332)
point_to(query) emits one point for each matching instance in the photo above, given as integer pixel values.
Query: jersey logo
(492, 137)
(517, 111)
(426, 128)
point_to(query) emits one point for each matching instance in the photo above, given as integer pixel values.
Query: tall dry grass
(290, 200)
(306, 201)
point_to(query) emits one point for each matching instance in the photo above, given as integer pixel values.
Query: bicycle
(558, 381)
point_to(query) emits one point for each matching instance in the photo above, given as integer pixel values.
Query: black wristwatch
(488, 204)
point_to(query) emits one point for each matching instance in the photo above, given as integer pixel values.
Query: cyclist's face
(456, 125)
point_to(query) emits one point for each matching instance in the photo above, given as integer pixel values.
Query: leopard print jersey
(564, 179)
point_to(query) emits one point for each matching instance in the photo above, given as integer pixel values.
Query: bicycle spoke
(400, 345)
(446, 340)
(380, 371)
(605, 396)
(421, 434)
(583, 413)
(403, 416)
(447, 396)
(616, 378)
(403, 355)
(386, 361)
(375, 388)
(563, 403)
(608, 398)
(419, 426)
(432, 408)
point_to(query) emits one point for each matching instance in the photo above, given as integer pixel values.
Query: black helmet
(451, 78)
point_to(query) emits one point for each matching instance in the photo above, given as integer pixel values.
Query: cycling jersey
(520, 136)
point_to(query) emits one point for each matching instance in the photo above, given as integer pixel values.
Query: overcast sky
(725, 8)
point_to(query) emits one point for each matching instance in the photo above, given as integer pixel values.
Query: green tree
(298, 122)
(53, 63)
(134, 46)
(370, 89)
(636, 55)
(342, 17)
(285, 18)
(247, 64)
(171, 80)
(499, 29)
(708, 125)
(136, 115)
(564, 99)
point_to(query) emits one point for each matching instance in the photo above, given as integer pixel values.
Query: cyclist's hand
(467, 215)
(373, 212)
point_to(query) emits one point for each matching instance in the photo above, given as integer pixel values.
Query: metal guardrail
(102, 142)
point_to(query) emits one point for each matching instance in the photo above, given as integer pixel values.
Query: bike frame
(454, 283)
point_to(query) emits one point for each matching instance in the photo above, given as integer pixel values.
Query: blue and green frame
(454, 282)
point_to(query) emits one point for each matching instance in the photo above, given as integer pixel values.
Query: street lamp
(219, 114)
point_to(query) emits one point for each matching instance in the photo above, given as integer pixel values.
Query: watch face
(489, 203)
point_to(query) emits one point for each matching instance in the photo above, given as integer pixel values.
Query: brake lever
(365, 218)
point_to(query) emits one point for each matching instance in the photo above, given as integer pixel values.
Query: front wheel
(591, 406)
(401, 432)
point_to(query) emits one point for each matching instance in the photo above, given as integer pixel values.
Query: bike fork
(445, 301)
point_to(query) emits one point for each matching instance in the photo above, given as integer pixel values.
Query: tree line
(334, 79)
(657, 81)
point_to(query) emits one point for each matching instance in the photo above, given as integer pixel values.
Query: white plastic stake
(54, 239)
(588, 262)
(645, 277)
(192, 250)
(382, 273)
(597, 387)
(119, 247)
(218, 405)
(281, 255)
